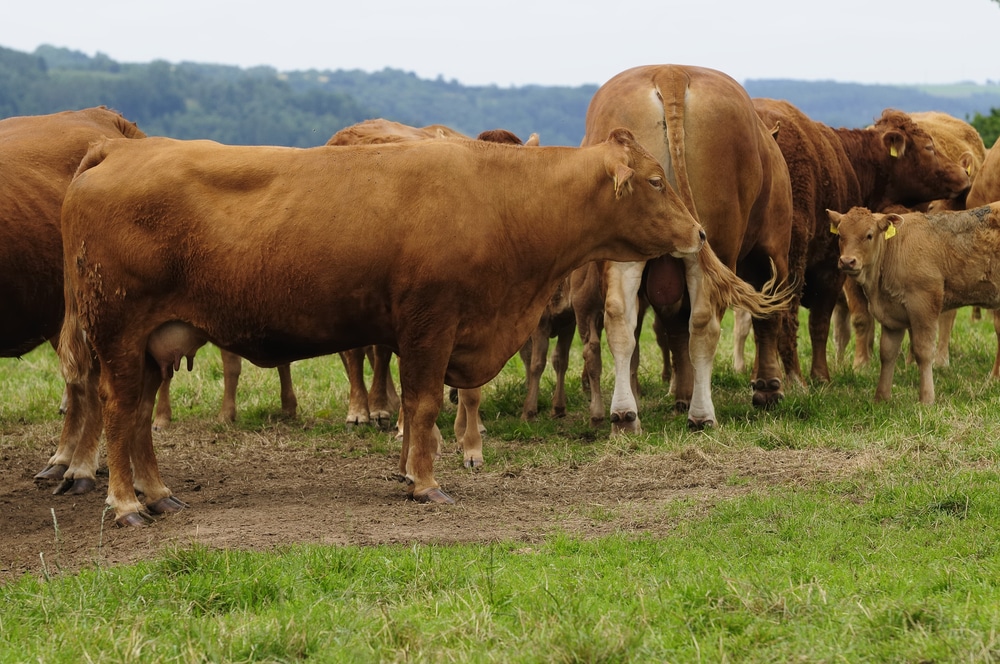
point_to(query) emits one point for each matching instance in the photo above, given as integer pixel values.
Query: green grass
(897, 560)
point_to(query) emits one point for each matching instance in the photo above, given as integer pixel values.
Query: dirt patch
(266, 489)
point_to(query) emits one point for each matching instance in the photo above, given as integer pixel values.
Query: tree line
(262, 106)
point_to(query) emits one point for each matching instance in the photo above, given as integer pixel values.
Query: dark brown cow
(38, 157)
(914, 266)
(329, 248)
(699, 123)
(894, 162)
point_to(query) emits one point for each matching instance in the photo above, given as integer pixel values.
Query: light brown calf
(914, 266)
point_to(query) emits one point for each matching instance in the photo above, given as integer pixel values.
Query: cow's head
(863, 235)
(656, 220)
(916, 171)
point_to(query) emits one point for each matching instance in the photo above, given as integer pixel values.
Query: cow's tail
(75, 356)
(96, 153)
(672, 93)
(727, 289)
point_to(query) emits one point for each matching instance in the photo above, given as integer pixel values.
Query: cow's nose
(847, 263)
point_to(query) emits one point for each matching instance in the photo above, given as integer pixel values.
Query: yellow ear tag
(891, 231)
(833, 229)
(892, 151)
(968, 169)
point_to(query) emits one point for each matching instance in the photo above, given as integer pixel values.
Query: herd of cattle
(128, 253)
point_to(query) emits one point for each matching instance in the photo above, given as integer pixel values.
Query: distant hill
(302, 108)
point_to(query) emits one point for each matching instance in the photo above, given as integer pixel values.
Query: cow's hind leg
(357, 404)
(75, 461)
(382, 398)
(147, 480)
(468, 427)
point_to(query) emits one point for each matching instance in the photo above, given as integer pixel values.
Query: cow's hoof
(167, 505)
(700, 425)
(623, 419)
(681, 406)
(474, 463)
(133, 520)
(767, 394)
(434, 495)
(383, 421)
(52, 472)
(75, 487)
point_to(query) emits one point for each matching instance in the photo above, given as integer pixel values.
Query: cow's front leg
(621, 313)
(422, 401)
(889, 344)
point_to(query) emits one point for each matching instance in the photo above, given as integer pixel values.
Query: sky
(543, 42)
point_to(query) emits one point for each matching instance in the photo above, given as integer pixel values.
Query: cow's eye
(869, 236)
(656, 182)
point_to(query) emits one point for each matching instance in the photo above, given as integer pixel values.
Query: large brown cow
(893, 162)
(329, 248)
(699, 123)
(914, 266)
(38, 157)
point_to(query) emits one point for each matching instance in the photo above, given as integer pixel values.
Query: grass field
(892, 556)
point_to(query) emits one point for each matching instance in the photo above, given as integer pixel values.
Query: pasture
(828, 529)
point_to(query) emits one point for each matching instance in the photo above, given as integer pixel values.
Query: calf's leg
(889, 345)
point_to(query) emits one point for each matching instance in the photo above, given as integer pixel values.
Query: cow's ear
(835, 218)
(622, 177)
(622, 136)
(889, 223)
(895, 143)
(967, 160)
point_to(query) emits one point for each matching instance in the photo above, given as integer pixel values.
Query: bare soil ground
(275, 487)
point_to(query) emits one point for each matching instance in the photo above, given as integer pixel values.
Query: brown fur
(726, 168)
(380, 130)
(331, 248)
(38, 157)
(914, 266)
(838, 169)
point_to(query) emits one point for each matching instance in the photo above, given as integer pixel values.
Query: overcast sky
(546, 42)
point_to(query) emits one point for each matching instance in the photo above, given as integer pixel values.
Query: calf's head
(917, 172)
(862, 235)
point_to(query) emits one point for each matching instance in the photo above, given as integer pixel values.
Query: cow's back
(38, 157)
(701, 125)
(986, 187)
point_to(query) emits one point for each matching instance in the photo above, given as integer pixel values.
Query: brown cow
(959, 141)
(376, 405)
(986, 189)
(894, 162)
(914, 266)
(699, 123)
(38, 157)
(282, 228)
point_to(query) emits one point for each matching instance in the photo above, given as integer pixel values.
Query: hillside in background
(304, 108)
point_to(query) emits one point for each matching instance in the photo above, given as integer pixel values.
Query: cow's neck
(870, 164)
